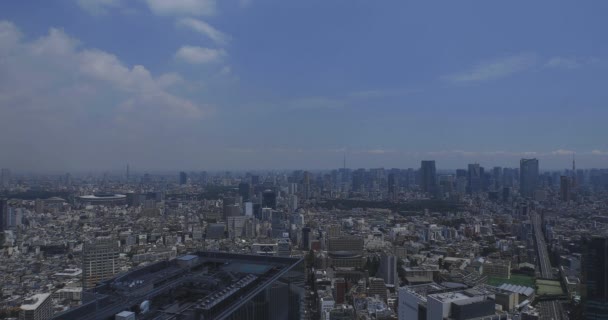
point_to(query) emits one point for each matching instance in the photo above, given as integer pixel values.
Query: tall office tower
(277, 224)
(269, 199)
(528, 177)
(293, 202)
(359, 180)
(595, 278)
(497, 178)
(508, 177)
(474, 176)
(388, 270)
(183, 178)
(564, 188)
(245, 191)
(428, 174)
(99, 261)
(306, 185)
(5, 177)
(3, 214)
(506, 193)
(305, 243)
(292, 188)
(128, 173)
(580, 178)
(393, 188)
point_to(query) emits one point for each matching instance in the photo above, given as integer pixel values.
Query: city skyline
(91, 84)
(132, 170)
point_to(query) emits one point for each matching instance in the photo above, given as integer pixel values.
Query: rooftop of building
(35, 301)
(225, 282)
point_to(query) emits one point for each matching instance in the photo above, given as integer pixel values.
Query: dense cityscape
(303, 160)
(418, 243)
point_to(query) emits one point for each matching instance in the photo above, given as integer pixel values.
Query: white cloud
(562, 152)
(493, 69)
(199, 55)
(204, 29)
(182, 7)
(99, 6)
(9, 36)
(599, 153)
(63, 102)
(169, 79)
(563, 63)
(379, 151)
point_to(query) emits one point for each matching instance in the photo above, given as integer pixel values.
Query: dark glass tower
(474, 177)
(3, 214)
(269, 199)
(183, 178)
(428, 176)
(528, 177)
(595, 277)
(245, 191)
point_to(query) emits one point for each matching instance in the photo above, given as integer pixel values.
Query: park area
(516, 279)
(549, 287)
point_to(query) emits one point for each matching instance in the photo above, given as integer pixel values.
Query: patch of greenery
(516, 279)
(549, 287)
(417, 205)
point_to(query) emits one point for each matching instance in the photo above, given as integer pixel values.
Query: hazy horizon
(226, 85)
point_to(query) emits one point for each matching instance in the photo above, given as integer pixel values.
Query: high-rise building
(388, 270)
(339, 290)
(306, 185)
(99, 261)
(38, 307)
(269, 199)
(497, 178)
(3, 214)
(564, 188)
(474, 177)
(183, 178)
(393, 188)
(245, 191)
(305, 243)
(293, 202)
(428, 175)
(528, 177)
(595, 278)
(277, 224)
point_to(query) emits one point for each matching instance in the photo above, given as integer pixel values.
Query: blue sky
(262, 84)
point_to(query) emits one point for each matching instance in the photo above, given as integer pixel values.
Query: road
(549, 310)
(541, 248)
